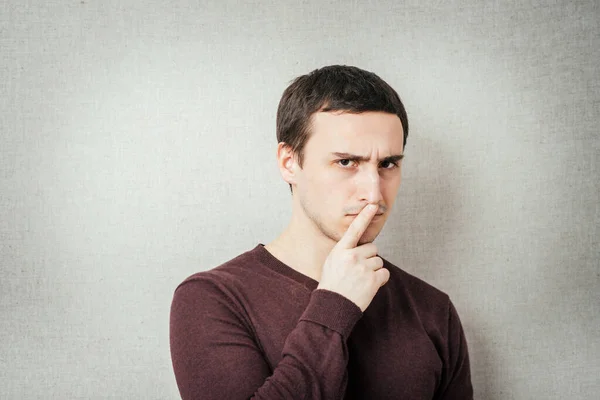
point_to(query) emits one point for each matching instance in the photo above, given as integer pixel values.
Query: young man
(317, 314)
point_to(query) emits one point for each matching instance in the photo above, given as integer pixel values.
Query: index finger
(358, 227)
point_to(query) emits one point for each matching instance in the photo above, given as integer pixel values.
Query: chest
(391, 356)
(392, 359)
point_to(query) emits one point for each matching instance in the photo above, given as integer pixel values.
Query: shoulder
(230, 270)
(428, 301)
(223, 280)
(415, 285)
(216, 293)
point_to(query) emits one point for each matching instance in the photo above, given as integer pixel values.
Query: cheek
(330, 193)
(327, 182)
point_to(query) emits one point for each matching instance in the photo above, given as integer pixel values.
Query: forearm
(214, 357)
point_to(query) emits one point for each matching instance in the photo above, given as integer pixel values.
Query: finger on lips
(358, 226)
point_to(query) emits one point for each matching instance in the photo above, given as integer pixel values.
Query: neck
(302, 246)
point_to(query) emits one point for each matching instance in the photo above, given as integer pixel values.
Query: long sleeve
(216, 355)
(456, 383)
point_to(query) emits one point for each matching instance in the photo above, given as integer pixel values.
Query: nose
(369, 187)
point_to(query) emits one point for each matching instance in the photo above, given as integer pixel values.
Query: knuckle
(347, 258)
(353, 257)
(375, 281)
(386, 275)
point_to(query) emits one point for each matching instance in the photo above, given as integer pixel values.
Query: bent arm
(215, 355)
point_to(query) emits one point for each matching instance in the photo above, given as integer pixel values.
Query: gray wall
(137, 146)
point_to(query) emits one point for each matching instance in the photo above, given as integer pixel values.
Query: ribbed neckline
(278, 266)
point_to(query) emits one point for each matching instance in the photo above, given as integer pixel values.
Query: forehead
(342, 131)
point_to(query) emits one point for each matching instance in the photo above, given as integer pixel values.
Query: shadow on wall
(425, 236)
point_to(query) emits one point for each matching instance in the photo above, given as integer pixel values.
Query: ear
(287, 163)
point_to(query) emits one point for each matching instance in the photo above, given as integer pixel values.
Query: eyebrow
(355, 157)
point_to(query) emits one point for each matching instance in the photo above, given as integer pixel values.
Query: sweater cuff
(333, 311)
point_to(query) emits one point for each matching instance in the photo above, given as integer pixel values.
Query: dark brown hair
(332, 88)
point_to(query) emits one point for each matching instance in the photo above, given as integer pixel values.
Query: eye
(345, 162)
(390, 165)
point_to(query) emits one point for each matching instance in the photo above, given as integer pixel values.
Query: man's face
(349, 163)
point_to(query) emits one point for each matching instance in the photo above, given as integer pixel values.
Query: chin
(368, 238)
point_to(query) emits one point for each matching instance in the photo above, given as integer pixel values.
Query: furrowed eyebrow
(354, 157)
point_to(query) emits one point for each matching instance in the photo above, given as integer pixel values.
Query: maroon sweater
(255, 328)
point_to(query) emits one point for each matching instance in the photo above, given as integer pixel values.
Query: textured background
(137, 146)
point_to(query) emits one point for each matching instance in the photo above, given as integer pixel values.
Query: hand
(354, 271)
